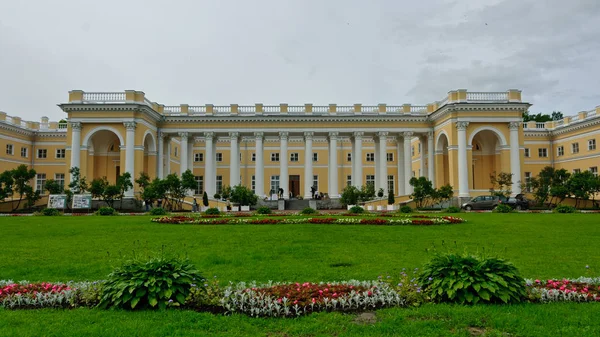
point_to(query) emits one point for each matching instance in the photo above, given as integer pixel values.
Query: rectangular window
(219, 184)
(591, 144)
(175, 151)
(390, 186)
(199, 185)
(371, 156)
(24, 152)
(594, 170)
(316, 182)
(60, 153)
(413, 173)
(42, 153)
(390, 156)
(219, 156)
(560, 151)
(274, 156)
(60, 179)
(294, 156)
(348, 180)
(527, 181)
(349, 157)
(253, 157)
(40, 182)
(576, 171)
(543, 153)
(419, 147)
(274, 184)
(527, 153)
(412, 150)
(9, 149)
(253, 184)
(198, 157)
(315, 156)
(575, 148)
(370, 179)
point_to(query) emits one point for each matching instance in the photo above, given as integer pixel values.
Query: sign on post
(58, 201)
(82, 201)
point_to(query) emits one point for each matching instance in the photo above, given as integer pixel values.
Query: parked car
(482, 202)
(518, 202)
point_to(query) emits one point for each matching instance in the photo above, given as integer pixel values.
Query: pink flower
(296, 302)
(537, 281)
(334, 295)
(320, 292)
(314, 300)
(279, 300)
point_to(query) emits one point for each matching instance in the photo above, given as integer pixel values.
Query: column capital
(210, 135)
(462, 126)
(407, 134)
(309, 135)
(382, 134)
(430, 135)
(514, 125)
(334, 135)
(76, 126)
(358, 134)
(183, 135)
(259, 135)
(234, 134)
(130, 125)
(284, 135)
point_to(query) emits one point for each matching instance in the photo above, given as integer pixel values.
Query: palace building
(459, 140)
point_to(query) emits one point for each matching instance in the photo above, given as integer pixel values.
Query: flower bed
(35, 295)
(565, 290)
(419, 220)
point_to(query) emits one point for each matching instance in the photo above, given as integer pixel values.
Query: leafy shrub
(158, 211)
(464, 278)
(206, 297)
(565, 209)
(405, 286)
(503, 208)
(50, 212)
(264, 210)
(157, 282)
(356, 210)
(106, 211)
(89, 294)
(453, 209)
(405, 209)
(217, 196)
(212, 211)
(309, 210)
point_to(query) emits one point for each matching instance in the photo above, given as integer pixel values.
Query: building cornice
(293, 118)
(90, 107)
(16, 129)
(461, 107)
(576, 126)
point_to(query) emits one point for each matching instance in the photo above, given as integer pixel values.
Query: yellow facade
(123, 131)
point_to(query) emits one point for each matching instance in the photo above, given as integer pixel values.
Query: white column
(234, 159)
(283, 165)
(463, 169)
(353, 162)
(190, 151)
(333, 189)
(430, 159)
(308, 164)
(423, 157)
(357, 160)
(129, 153)
(400, 160)
(407, 163)
(381, 175)
(168, 157)
(76, 147)
(183, 152)
(515, 157)
(259, 165)
(210, 181)
(161, 156)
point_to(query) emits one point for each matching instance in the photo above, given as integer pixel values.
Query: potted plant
(391, 201)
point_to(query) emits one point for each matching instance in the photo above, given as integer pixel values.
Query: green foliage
(501, 184)
(207, 296)
(175, 189)
(156, 282)
(350, 195)
(217, 196)
(205, 199)
(243, 195)
(53, 187)
(101, 188)
(16, 182)
(423, 191)
(582, 185)
(78, 184)
(453, 209)
(264, 210)
(406, 209)
(309, 210)
(503, 208)
(188, 180)
(391, 199)
(380, 193)
(472, 279)
(405, 285)
(50, 212)
(158, 211)
(356, 210)
(541, 118)
(212, 211)
(226, 192)
(106, 211)
(367, 192)
(564, 209)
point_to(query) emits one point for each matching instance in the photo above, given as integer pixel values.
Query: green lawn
(84, 248)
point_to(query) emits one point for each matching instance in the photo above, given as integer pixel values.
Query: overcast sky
(319, 51)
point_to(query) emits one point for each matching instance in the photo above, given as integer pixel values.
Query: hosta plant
(264, 210)
(158, 211)
(470, 279)
(156, 282)
(565, 209)
(503, 208)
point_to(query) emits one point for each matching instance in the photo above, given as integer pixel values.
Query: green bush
(405, 209)
(470, 279)
(156, 282)
(503, 208)
(106, 211)
(264, 210)
(158, 211)
(309, 210)
(212, 211)
(356, 210)
(453, 209)
(50, 212)
(565, 209)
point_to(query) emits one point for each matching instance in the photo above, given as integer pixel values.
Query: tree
(6, 184)
(501, 184)
(243, 195)
(21, 176)
(540, 118)
(123, 185)
(188, 180)
(102, 189)
(226, 192)
(391, 199)
(558, 188)
(581, 185)
(350, 195)
(205, 199)
(175, 190)
(53, 187)
(78, 184)
(367, 192)
(422, 190)
(143, 181)
(557, 115)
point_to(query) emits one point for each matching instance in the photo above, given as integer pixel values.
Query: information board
(82, 201)
(58, 201)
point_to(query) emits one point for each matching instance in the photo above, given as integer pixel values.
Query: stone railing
(487, 96)
(104, 97)
(566, 121)
(43, 125)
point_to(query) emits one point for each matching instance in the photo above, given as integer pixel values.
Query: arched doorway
(149, 161)
(442, 162)
(104, 155)
(486, 149)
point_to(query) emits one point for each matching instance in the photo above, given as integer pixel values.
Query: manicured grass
(85, 248)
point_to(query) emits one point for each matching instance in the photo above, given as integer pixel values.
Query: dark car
(482, 202)
(518, 202)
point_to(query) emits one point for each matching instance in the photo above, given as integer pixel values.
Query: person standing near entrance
(195, 206)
